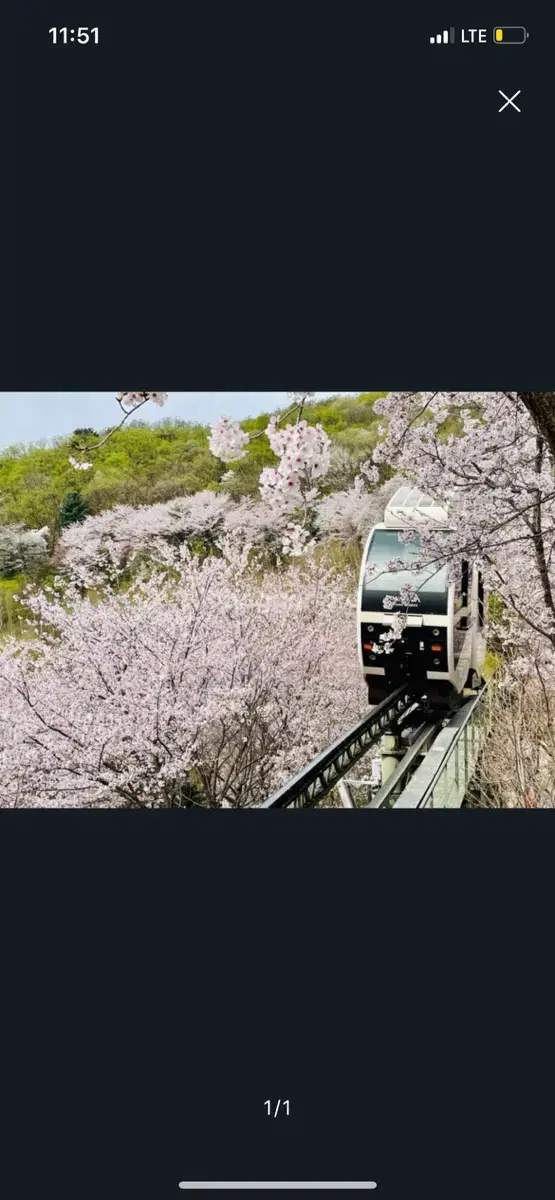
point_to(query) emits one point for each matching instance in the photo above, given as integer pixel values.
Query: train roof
(410, 507)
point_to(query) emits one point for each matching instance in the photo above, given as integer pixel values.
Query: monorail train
(442, 647)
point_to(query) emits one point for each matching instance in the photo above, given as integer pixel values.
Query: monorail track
(441, 754)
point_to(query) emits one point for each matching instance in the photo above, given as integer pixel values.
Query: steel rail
(383, 797)
(321, 775)
(442, 779)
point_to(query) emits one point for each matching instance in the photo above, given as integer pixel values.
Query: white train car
(442, 647)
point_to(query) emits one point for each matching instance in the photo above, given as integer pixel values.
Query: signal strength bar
(444, 38)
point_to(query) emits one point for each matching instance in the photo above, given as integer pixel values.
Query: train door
(462, 624)
(460, 609)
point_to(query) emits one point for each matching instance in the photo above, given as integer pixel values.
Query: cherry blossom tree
(517, 767)
(22, 550)
(207, 685)
(104, 545)
(350, 515)
(488, 456)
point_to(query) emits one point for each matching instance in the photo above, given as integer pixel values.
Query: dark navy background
(166, 974)
(242, 195)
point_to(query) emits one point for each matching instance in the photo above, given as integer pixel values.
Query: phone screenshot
(230, 598)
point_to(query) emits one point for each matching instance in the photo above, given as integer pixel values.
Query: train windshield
(431, 583)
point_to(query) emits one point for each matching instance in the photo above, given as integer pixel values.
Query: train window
(464, 583)
(430, 583)
(461, 587)
(458, 591)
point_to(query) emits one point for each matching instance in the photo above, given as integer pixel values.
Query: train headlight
(435, 632)
(370, 628)
(437, 662)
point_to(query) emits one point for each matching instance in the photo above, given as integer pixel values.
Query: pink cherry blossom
(133, 399)
(303, 453)
(208, 686)
(79, 466)
(228, 440)
(102, 546)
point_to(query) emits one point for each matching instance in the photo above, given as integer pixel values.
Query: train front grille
(415, 653)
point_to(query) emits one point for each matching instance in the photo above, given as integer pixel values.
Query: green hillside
(144, 463)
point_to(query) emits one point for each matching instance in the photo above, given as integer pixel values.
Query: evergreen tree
(82, 433)
(74, 508)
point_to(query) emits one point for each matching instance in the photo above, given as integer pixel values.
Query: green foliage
(452, 426)
(12, 615)
(246, 472)
(339, 557)
(496, 607)
(341, 412)
(492, 662)
(15, 616)
(140, 464)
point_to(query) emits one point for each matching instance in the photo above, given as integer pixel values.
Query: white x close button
(509, 101)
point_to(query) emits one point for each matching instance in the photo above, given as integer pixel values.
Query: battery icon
(510, 35)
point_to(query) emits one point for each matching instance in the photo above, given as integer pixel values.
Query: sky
(32, 416)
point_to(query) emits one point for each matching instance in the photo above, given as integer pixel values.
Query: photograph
(265, 600)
